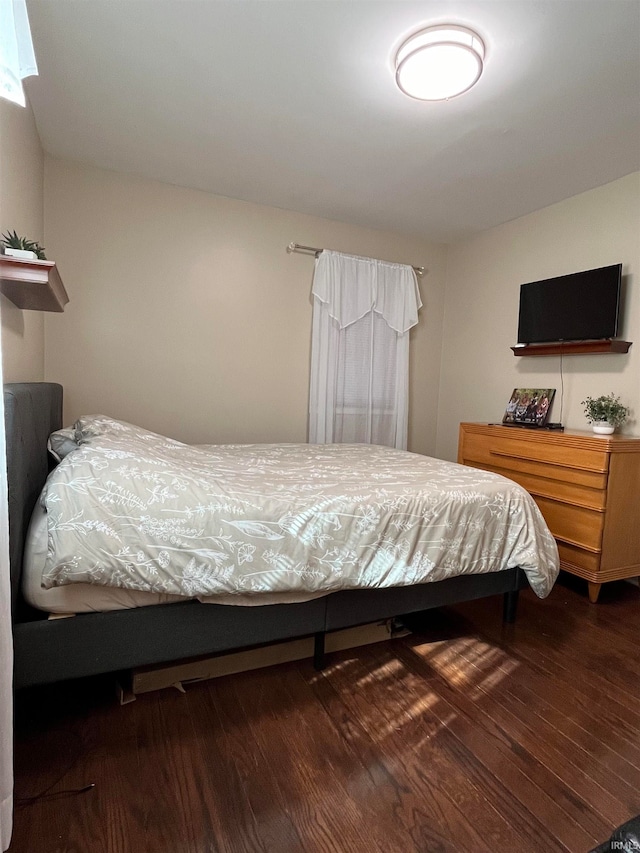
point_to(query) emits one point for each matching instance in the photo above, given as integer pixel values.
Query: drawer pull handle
(566, 501)
(507, 455)
(566, 541)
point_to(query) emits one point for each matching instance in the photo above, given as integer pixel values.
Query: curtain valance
(391, 290)
(17, 59)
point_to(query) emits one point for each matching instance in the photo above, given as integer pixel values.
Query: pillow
(62, 442)
(93, 426)
(90, 427)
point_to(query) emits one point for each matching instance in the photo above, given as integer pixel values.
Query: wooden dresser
(587, 487)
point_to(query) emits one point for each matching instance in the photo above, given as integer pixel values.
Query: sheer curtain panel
(362, 312)
(6, 652)
(17, 59)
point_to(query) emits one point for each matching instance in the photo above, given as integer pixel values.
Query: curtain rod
(296, 247)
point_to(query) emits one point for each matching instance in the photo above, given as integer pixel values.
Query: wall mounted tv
(576, 307)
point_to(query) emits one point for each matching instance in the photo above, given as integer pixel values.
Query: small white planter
(20, 253)
(603, 428)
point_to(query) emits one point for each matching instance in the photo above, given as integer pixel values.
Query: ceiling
(293, 104)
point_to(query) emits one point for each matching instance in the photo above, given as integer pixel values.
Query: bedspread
(132, 509)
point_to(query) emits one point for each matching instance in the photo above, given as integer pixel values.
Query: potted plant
(21, 247)
(605, 413)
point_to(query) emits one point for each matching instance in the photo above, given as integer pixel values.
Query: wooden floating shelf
(573, 348)
(32, 284)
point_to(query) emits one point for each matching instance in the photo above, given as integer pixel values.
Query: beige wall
(188, 316)
(596, 228)
(21, 209)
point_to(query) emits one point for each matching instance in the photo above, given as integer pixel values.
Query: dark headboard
(33, 410)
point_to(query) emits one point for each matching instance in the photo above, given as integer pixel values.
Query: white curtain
(362, 312)
(17, 59)
(6, 651)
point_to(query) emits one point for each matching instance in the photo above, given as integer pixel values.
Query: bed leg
(510, 606)
(319, 662)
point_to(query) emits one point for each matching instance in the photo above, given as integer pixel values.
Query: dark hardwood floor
(465, 736)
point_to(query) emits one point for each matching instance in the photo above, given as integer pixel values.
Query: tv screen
(576, 307)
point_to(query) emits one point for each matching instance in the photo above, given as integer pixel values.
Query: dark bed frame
(49, 650)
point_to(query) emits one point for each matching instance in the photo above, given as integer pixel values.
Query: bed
(170, 629)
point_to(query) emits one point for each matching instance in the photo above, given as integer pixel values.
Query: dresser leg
(594, 591)
(510, 606)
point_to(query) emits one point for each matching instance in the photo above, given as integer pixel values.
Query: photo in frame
(529, 406)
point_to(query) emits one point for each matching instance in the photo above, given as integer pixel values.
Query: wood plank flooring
(465, 736)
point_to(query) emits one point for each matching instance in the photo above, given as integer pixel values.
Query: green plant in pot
(605, 413)
(22, 246)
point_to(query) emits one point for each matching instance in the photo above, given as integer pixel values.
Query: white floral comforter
(132, 509)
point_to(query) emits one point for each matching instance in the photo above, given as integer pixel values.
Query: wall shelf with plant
(32, 284)
(27, 278)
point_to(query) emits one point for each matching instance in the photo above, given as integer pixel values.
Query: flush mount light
(439, 62)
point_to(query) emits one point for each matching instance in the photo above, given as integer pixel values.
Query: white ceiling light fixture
(439, 62)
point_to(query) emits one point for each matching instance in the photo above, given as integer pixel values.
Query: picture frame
(529, 406)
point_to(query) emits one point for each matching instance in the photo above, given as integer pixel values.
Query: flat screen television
(577, 307)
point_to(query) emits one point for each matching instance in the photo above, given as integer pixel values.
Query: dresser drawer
(577, 560)
(555, 489)
(585, 467)
(575, 525)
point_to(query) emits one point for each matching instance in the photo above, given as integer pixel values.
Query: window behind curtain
(366, 386)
